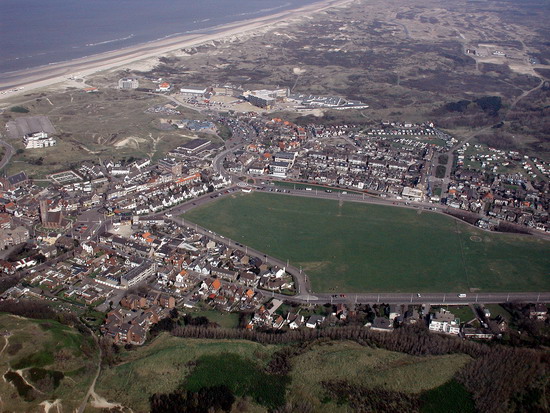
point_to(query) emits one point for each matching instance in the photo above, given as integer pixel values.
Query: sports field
(354, 247)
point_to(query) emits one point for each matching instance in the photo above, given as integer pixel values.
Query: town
(110, 237)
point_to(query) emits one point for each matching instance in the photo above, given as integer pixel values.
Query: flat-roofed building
(138, 274)
(193, 92)
(195, 146)
(128, 83)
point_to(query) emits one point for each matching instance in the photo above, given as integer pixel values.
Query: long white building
(38, 140)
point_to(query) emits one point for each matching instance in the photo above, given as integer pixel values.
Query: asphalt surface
(7, 156)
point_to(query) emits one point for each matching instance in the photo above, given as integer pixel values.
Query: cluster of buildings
(34, 131)
(388, 160)
(130, 322)
(494, 184)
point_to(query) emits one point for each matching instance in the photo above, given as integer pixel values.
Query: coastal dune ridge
(54, 73)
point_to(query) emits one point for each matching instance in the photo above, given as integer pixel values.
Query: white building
(412, 193)
(445, 322)
(38, 140)
(193, 92)
(128, 83)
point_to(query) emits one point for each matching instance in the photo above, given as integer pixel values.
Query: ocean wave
(110, 41)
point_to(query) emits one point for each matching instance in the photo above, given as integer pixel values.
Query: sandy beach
(52, 74)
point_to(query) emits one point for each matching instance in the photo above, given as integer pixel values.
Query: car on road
(461, 295)
(418, 295)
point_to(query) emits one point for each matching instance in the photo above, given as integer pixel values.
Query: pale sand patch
(48, 405)
(101, 403)
(130, 141)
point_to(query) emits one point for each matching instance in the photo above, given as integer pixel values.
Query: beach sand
(143, 56)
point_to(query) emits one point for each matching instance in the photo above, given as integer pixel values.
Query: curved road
(7, 156)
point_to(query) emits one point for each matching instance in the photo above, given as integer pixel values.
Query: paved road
(432, 298)
(7, 156)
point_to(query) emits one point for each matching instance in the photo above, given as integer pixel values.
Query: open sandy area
(140, 55)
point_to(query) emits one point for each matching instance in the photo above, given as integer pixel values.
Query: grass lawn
(463, 312)
(356, 247)
(224, 319)
(52, 357)
(497, 310)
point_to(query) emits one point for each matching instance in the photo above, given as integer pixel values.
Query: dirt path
(92, 386)
(1, 351)
(91, 396)
(522, 96)
(21, 373)
(5, 344)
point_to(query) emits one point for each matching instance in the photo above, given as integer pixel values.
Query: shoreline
(47, 75)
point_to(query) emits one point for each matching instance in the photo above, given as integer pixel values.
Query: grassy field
(163, 365)
(370, 367)
(169, 363)
(361, 248)
(43, 360)
(242, 375)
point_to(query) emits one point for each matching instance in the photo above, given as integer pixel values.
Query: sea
(41, 32)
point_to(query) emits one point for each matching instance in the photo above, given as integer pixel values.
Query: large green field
(356, 247)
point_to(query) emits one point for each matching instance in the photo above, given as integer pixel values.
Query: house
(136, 335)
(445, 322)
(167, 301)
(279, 322)
(133, 302)
(395, 311)
(294, 321)
(381, 324)
(341, 311)
(538, 311)
(249, 279)
(224, 274)
(164, 87)
(9, 237)
(314, 321)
